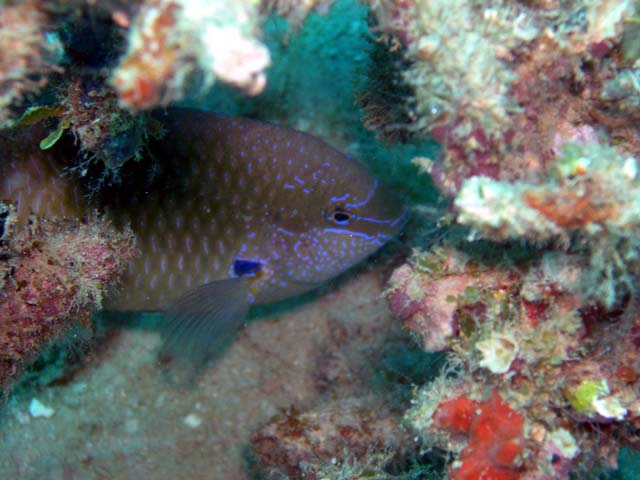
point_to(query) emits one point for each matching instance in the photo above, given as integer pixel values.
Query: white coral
(562, 443)
(498, 352)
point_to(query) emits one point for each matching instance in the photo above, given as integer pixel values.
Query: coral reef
(535, 107)
(171, 40)
(171, 48)
(102, 63)
(362, 371)
(54, 273)
(561, 368)
(71, 93)
(531, 106)
(105, 133)
(503, 86)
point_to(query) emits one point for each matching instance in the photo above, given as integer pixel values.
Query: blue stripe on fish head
(348, 216)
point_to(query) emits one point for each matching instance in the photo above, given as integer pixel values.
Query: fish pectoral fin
(203, 321)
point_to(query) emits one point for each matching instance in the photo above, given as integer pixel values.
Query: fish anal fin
(203, 321)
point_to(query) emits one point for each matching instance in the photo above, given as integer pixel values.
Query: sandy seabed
(119, 417)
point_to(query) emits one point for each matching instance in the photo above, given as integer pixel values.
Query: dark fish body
(240, 213)
(251, 199)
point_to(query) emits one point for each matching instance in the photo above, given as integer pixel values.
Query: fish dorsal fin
(204, 320)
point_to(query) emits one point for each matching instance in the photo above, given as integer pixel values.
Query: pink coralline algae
(424, 294)
(54, 273)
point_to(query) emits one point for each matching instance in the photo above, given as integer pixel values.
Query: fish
(241, 213)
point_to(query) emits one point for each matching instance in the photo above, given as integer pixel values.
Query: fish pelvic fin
(202, 322)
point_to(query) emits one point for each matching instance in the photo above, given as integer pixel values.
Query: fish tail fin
(202, 322)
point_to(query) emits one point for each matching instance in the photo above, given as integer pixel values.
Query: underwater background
(496, 337)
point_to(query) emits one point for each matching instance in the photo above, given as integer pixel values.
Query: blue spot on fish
(245, 267)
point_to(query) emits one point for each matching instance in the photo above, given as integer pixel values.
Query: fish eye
(339, 216)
